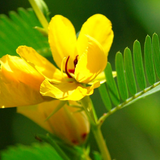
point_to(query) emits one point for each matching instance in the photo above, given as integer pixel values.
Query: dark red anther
(76, 61)
(69, 76)
(71, 71)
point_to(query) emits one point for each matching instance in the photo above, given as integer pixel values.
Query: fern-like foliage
(18, 29)
(137, 75)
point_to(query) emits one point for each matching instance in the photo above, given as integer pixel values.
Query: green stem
(40, 15)
(127, 102)
(95, 126)
(89, 109)
(101, 143)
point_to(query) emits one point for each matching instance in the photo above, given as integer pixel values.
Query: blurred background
(132, 133)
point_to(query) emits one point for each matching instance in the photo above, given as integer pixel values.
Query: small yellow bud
(69, 123)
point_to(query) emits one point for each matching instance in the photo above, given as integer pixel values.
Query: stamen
(69, 76)
(76, 61)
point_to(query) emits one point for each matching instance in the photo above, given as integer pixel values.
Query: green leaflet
(156, 53)
(121, 76)
(138, 64)
(111, 85)
(105, 96)
(129, 72)
(131, 76)
(148, 56)
(18, 29)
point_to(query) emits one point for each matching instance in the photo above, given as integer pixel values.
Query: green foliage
(131, 78)
(35, 152)
(18, 29)
(49, 148)
(66, 151)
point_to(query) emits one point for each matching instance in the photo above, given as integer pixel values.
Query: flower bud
(68, 123)
(43, 7)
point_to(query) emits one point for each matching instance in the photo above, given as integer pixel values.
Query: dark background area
(132, 133)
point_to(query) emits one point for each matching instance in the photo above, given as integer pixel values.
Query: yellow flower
(68, 123)
(82, 59)
(33, 82)
(31, 78)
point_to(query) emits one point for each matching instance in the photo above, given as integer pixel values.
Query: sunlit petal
(62, 39)
(92, 62)
(47, 69)
(66, 90)
(99, 27)
(19, 83)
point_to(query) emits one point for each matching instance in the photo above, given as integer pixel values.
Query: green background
(132, 133)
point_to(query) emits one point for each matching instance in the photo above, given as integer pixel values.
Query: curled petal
(19, 83)
(47, 69)
(100, 28)
(92, 62)
(68, 123)
(102, 78)
(62, 39)
(66, 90)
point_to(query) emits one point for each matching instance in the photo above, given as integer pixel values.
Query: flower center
(68, 71)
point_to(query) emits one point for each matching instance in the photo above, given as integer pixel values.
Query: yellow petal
(47, 69)
(62, 39)
(99, 27)
(68, 124)
(66, 90)
(92, 62)
(19, 83)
